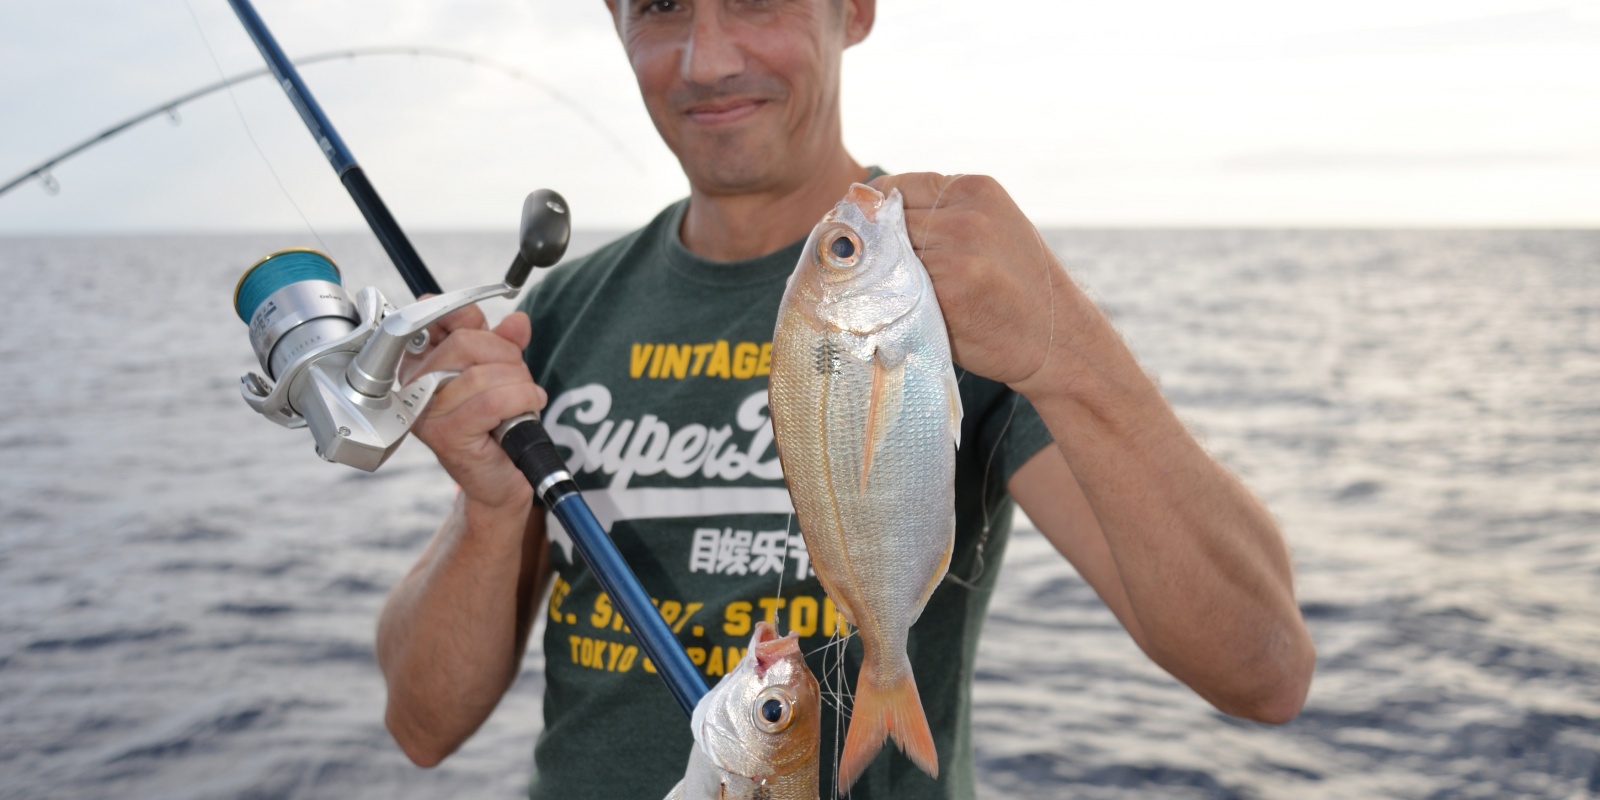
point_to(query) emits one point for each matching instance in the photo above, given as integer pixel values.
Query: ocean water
(187, 594)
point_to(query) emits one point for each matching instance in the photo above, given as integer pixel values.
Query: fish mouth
(769, 648)
(867, 199)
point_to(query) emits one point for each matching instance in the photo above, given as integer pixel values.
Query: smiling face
(744, 92)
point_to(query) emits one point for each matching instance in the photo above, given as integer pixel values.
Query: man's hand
(995, 277)
(494, 385)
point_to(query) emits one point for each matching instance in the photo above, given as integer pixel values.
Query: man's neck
(735, 227)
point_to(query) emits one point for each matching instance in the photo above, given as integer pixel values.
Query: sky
(1388, 113)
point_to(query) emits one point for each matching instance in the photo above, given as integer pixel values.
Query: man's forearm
(452, 632)
(1205, 571)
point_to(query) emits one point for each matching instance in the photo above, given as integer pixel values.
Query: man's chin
(731, 170)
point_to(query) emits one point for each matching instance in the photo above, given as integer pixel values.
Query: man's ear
(858, 18)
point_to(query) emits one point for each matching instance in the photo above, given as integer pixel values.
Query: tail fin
(882, 711)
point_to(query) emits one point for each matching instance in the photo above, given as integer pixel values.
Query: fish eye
(843, 247)
(773, 710)
(840, 249)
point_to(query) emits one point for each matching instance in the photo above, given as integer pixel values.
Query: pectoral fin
(953, 390)
(888, 387)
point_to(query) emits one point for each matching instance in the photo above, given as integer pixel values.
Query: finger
(467, 348)
(918, 189)
(935, 230)
(486, 379)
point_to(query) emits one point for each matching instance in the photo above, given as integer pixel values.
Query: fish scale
(866, 418)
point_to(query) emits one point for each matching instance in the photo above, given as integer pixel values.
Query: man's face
(744, 92)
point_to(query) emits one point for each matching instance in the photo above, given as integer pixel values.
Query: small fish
(866, 415)
(757, 732)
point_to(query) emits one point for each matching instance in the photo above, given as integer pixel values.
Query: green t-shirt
(656, 364)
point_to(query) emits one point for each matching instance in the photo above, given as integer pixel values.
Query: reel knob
(546, 230)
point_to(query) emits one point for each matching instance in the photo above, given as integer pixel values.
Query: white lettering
(703, 553)
(714, 440)
(592, 404)
(753, 417)
(686, 451)
(579, 421)
(644, 452)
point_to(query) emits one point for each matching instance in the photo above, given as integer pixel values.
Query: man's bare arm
(1186, 557)
(1201, 581)
(453, 631)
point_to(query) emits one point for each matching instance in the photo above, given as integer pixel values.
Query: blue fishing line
(277, 271)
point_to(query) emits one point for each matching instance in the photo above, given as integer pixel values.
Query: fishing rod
(170, 107)
(335, 361)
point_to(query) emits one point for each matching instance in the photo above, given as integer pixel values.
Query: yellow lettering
(648, 667)
(746, 357)
(558, 593)
(602, 611)
(714, 666)
(765, 366)
(655, 360)
(700, 353)
(602, 655)
(641, 356)
(803, 615)
(696, 655)
(718, 368)
(687, 613)
(736, 619)
(676, 361)
(770, 606)
(670, 611)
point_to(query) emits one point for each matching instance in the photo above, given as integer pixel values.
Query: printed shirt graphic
(656, 364)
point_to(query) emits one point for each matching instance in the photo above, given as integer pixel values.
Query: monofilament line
(217, 64)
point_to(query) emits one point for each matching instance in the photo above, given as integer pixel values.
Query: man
(654, 351)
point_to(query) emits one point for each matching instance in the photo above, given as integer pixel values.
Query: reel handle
(546, 230)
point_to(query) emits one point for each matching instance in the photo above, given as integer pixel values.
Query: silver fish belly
(866, 416)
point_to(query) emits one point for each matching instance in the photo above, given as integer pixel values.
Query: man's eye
(660, 7)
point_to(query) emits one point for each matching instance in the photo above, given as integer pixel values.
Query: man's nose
(712, 54)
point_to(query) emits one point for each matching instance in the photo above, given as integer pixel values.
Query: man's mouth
(724, 111)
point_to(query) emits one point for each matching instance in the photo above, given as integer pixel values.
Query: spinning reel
(332, 362)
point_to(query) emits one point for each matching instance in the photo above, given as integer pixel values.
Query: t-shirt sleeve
(1011, 433)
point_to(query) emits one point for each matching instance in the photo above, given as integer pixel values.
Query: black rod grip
(530, 448)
